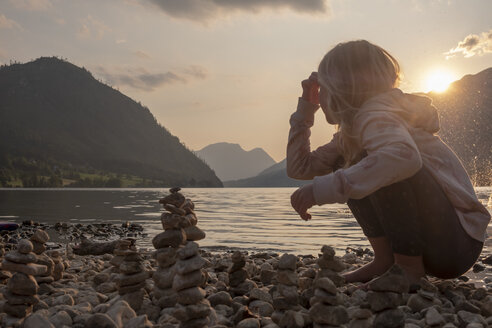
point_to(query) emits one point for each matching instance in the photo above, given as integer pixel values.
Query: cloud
(142, 55)
(206, 10)
(473, 45)
(141, 79)
(32, 5)
(92, 29)
(8, 23)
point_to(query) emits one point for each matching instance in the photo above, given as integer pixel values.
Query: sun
(439, 80)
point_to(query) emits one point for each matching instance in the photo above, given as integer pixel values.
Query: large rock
(18, 311)
(22, 284)
(18, 257)
(220, 298)
(328, 315)
(101, 320)
(188, 250)
(193, 233)
(165, 257)
(163, 278)
(191, 295)
(37, 321)
(173, 238)
(326, 284)
(192, 311)
(29, 269)
(383, 300)
(121, 313)
(392, 318)
(192, 264)
(131, 279)
(40, 236)
(287, 262)
(24, 246)
(194, 278)
(393, 280)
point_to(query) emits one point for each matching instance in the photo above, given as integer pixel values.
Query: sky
(230, 70)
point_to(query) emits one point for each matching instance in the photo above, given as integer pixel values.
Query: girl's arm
(301, 162)
(392, 156)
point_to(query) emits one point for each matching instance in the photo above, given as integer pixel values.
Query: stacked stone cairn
(22, 288)
(120, 247)
(385, 296)
(180, 276)
(326, 309)
(131, 280)
(286, 298)
(38, 240)
(59, 266)
(193, 309)
(4, 275)
(330, 265)
(237, 273)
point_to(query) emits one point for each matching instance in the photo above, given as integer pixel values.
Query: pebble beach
(177, 283)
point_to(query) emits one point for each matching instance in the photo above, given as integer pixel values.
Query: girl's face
(323, 102)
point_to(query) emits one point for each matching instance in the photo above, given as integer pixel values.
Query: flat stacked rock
(4, 275)
(22, 288)
(330, 265)
(385, 296)
(286, 298)
(326, 305)
(131, 280)
(166, 244)
(38, 240)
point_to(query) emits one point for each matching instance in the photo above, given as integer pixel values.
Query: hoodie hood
(417, 111)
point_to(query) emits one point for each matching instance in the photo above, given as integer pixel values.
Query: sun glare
(439, 81)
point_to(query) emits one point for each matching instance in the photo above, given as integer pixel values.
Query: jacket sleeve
(302, 163)
(392, 156)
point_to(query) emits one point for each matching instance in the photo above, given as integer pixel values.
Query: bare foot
(368, 271)
(413, 266)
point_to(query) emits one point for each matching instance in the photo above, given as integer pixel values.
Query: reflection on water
(251, 218)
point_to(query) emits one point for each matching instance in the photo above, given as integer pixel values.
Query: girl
(405, 187)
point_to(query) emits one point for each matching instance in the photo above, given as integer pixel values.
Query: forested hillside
(60, 126)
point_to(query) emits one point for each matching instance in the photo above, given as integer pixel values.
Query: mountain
(465, 111)
(58, 123)
(231, 162)
(274, 176)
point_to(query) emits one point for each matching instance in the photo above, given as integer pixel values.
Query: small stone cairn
(326, 308)
(330, 265)
(286, 298)
(22, 288)
(59, 266)
(38, 240)
(4, 275)
(237, 272)
(120, 247)
(131, 280)
(385, 296)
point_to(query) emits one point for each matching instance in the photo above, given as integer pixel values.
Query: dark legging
(418, 219)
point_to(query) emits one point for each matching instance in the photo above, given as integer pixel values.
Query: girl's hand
(302, 200)
(310, 89)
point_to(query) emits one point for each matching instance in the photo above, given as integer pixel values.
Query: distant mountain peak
(230, 161)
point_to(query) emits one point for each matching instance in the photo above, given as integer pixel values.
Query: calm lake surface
(248, 218)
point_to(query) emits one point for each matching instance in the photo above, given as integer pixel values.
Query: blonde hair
(351, 73)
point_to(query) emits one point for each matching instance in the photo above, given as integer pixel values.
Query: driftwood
(87, 247)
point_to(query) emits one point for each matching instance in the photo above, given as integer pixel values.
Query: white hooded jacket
(397, 131)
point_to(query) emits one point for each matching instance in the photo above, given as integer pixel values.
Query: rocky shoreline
(180, 284)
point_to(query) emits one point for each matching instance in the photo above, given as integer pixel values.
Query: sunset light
(439, 80)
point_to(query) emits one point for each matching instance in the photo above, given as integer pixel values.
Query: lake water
(248, 218)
